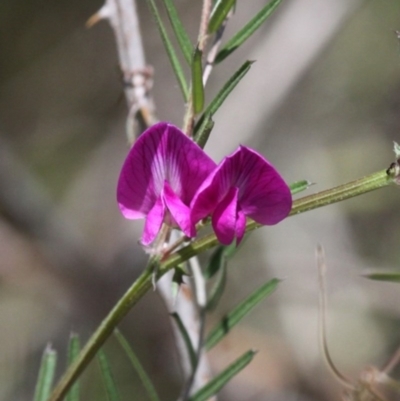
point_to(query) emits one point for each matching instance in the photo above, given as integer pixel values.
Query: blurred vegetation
(62, 117)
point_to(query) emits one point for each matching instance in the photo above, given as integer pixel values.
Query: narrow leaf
(393, 277)
(46, 374)
(234, 317)
(107, 376)
(300, 186)
(197, 82)
(215, 263)
(231, 249)
(220, 380)
(179, 31)
(204, 131)
(144, 378)
(219, 13)
(223, 93)
(247, 30)
(176, 65)
(218, 288)
(186, 339)
(73, 351)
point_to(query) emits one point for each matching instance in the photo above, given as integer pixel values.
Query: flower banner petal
(264, 195)
(162, 153)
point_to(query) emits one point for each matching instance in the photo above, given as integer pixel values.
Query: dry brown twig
(137, 75)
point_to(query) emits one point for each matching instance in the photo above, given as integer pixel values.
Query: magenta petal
(179, 211)
(225, 216)
(162, 153)
(240, 227)
(264, 195)
(154, 222)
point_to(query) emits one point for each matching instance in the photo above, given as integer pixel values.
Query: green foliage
(223, 94)
(46, 374)
(108, 378)
(219, 13)
(216, 260)
(186, 339)
(176, 65)
(239, 38)
(179, 31)
(219, 286)
(73, 351)
(197, 82)
(204, 131)
(299, 186)
(143, 376)
(220, 380)
(393, 277)
(237, 314)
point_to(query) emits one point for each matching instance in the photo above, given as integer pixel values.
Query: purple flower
(159, 178)
(244, 184)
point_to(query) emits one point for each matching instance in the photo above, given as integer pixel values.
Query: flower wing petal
(240, 227)
(224, 217)
(179, 211)
(154, 222)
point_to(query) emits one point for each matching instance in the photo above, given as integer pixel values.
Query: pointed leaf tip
(239, 38)
(219, 13)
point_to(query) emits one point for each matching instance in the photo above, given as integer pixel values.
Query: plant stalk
(144, 282)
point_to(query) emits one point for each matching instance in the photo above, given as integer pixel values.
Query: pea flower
(243, 184)
(159, 178)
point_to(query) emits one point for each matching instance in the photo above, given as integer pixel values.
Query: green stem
(310, 202)
(106, 328)
(143, 282)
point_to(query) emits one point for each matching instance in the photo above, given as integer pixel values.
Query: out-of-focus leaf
(186, 339)
(231, 249)
(299, 186)
(46, 374)
(215, 263)
(179, 30)
(247, 30)
(393, 277)
(223, 93)
(219, 13)
(73, 351)
(176, 65)
(107, 376)
(204, 131)
(143, 376)
(219, 286)
(220, 380)
(234, 317)
(197, 82)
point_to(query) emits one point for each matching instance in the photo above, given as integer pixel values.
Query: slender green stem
(106, 328)
(324, 198)
(143, 282)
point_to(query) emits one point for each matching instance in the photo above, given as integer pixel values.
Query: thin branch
(137, 76)
(212, 54)
(123, 18)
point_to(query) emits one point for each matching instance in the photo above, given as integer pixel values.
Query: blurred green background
(322, 102)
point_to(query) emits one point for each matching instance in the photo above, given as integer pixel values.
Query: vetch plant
(168, 180)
